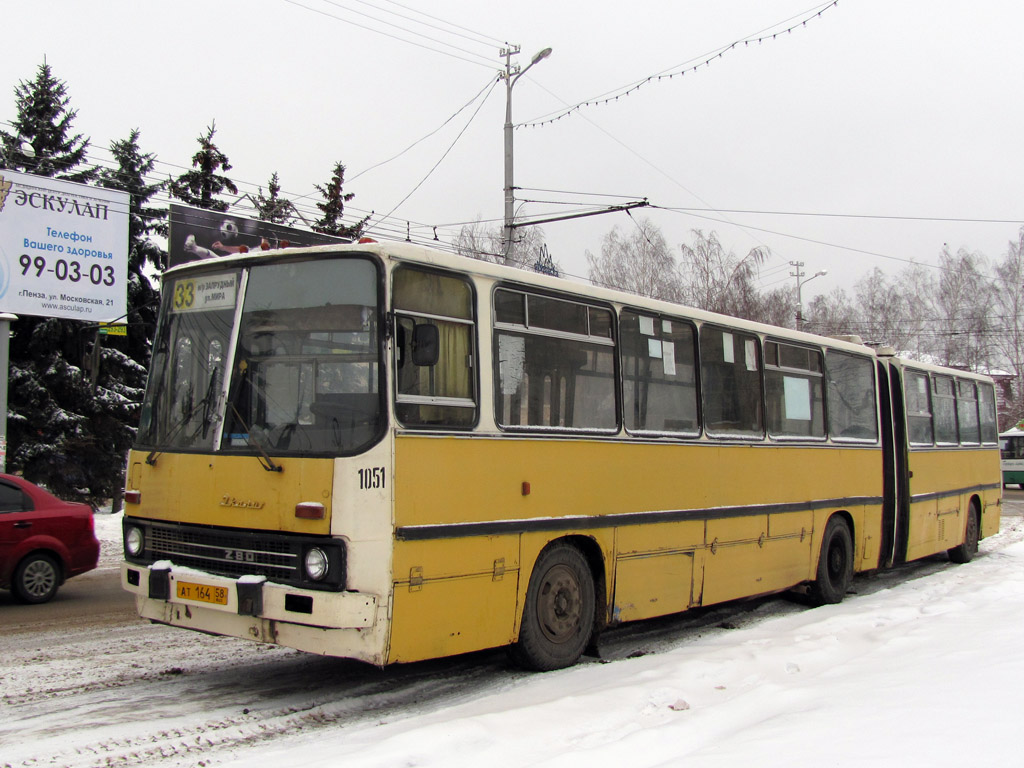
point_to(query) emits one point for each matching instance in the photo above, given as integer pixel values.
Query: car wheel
(36, 579)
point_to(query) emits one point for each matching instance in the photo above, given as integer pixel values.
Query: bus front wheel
(558, 616)
(835, 564)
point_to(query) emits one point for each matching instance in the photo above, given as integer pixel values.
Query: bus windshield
(305, 374)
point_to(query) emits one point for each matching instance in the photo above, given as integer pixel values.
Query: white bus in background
(1011, 455)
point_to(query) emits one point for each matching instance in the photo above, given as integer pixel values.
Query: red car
(43, 540)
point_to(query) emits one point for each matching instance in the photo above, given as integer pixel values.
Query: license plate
(202, 593)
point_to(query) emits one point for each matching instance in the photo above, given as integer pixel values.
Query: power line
(490, 84)
(450, 148)
(475, 37)
(824, 214)
(482, 62)
(680, 70)
(808, 239)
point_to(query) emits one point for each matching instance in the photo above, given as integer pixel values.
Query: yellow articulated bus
(389, 453)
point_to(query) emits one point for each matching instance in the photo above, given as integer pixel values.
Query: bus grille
(227, 552)
(224, 553)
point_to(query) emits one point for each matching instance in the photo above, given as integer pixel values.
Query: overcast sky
(874, 114)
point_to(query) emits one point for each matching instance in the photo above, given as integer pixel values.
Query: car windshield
(305, 373)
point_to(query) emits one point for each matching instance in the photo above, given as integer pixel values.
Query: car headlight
(133, 541)
(316, 563)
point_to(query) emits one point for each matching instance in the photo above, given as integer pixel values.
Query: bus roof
(408, 252)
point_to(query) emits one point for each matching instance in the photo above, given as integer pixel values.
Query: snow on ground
(922, 666)
(926, 672)
(108, 531)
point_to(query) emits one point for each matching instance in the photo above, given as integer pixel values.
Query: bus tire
(835, 564)
(966, 551)
(558, 616)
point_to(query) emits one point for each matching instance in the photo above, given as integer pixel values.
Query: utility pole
(6, 318)
(799, 301)
(511, 75)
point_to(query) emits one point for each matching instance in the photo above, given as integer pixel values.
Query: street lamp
(799, 284)
(21, 147)
(510, 78)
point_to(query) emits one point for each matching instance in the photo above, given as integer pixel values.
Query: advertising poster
(200, 234)
(63, 248)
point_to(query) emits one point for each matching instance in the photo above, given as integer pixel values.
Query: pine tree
(273, 207)
(333, 207)
(44, 123)
(200, 187)
(144, 253)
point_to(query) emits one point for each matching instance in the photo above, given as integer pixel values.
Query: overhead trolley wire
(479, 59)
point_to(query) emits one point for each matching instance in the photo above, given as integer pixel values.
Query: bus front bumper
(254, 609)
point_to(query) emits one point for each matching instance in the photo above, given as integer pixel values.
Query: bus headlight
(133, 541)
(316, 563)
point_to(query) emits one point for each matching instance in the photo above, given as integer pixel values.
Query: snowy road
(108, 690)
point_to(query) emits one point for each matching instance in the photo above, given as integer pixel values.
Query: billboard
(63, 248)
(197, 233)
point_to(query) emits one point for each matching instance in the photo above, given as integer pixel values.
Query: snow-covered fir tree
(201, 185)
(333, 207)
(273, 207)
(42, 141)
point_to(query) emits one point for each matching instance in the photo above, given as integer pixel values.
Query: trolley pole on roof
(511, 75)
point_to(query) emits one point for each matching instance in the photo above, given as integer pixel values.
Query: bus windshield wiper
(264, 458)
(251, 440)
(207, 408)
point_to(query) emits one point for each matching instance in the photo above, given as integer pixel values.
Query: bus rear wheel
(966, 551)
(558, 617)
(835, 564)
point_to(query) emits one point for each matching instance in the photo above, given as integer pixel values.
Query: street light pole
(799, 301)
(510, 76)
(6, 318)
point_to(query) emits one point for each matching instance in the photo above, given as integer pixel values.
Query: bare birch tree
(717, 280)
(639, 261)
(1008, 311)
(478, 241)
(832, 314)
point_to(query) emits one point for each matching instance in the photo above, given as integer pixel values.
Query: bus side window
(793, 391)
(434, 348)
(852, 410)
(554, 363)
(944, 406)
(659, 385)
(987, 414)
(731, 383)
(919, 409)
(967, 412)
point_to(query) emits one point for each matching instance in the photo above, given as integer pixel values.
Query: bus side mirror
(426, 345)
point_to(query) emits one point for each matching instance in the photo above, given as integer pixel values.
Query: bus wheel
(835, 565)
(558, 617)
(966, 551)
